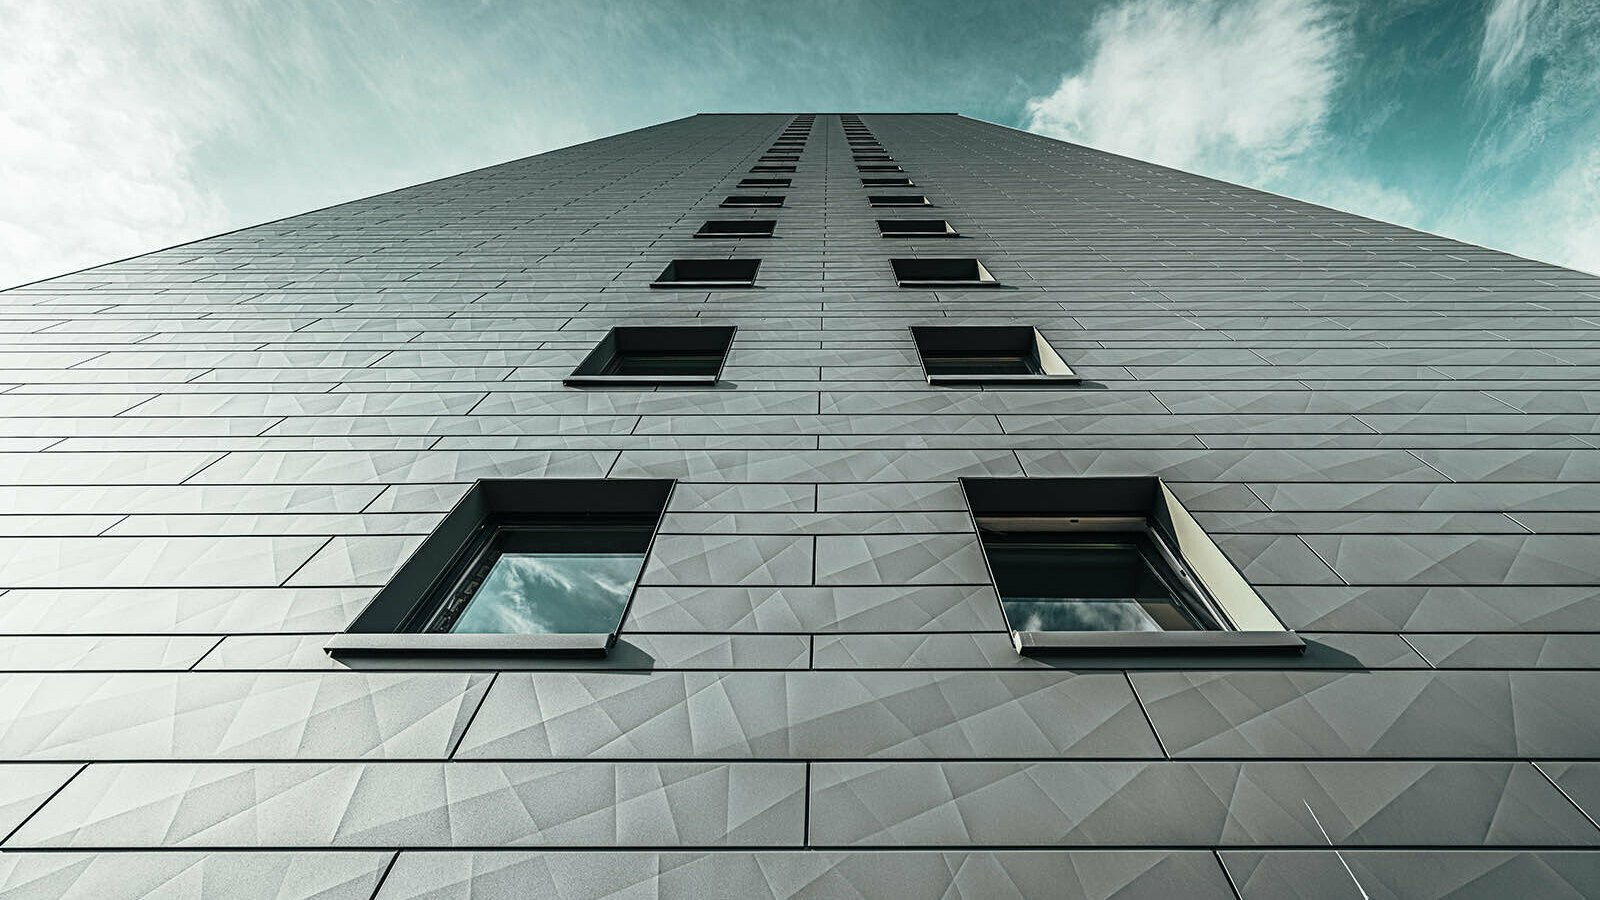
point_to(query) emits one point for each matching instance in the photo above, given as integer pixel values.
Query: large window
(707, 273)
(520, 565)
(961, 354)
(941, 272)
(916, 228)
(757, 201)
(657, 354)
(737, 228)
(1112, 564)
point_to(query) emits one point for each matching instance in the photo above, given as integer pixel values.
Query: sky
(131, 125)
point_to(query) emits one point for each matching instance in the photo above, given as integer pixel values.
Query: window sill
(1004, 379)
(580, 380)
(1031, 642)
(353, 643)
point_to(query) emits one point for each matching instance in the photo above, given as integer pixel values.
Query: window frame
(669, 280)
(1000, 342)
(433, 567)
(1252, 625)
(708, 338)
(748, 201)
(899, 264)
(771, 228)
(891, 201)
(948, 232)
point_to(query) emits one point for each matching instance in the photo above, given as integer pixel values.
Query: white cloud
(93, 150)
(1234, 89)
(1505, 50)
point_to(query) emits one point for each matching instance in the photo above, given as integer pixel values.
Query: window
(753, 200)
(737, 228)
(873, 157)
(898, 200)
(1112, 564)
(702, 273)
(942, 272)
(772, 168)
(878, 167)
(763, 182)
(974, 354)
(910, 228)
(656, 355)
(520, 565)
(886, 182)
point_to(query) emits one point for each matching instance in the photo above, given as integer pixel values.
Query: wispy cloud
(95, 158)
(1237, 89)
(1504, 51)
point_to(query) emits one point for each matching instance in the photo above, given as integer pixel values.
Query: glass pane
(1086, 582)
(552, 593)
(664, 364)
(981, 365)
(1078, 615)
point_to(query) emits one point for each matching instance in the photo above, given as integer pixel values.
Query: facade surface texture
(214, 455)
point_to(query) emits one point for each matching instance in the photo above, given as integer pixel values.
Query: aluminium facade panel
(212, 456)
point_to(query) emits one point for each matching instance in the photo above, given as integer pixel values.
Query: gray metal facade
(213, 455)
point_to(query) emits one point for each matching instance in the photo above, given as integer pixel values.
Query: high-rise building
(776, 505)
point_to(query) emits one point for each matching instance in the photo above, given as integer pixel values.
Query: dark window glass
(1091, 581)
(548, 577)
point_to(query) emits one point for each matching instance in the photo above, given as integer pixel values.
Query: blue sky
(128, 125)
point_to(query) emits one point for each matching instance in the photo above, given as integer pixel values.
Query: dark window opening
(1112, 563)
(753, 200)
(887, 182)
(898, 200)
(764, 182)
(772, 168)
(873, 157)
(974, 354)
(941, 272)
(908, 228)
(656, 355)
(879, 167)
(708, 273)
(520, 565)
(737, 228)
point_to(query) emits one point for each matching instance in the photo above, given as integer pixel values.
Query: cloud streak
(1235, 89)
(95, 161)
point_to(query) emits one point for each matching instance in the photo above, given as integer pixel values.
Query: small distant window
(753, 200)
(942, 272)
(873, 157)
(898, 200)
(916, 228)
(702, 273)
(888, 182)
(878, 167)
(737, 228)
(519, 566)
(765, 167)
(764, 182)
(977, 354)
(1112, 564)
(656, 355)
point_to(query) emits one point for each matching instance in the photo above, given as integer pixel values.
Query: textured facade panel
(1078, 875)
(213, 456)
